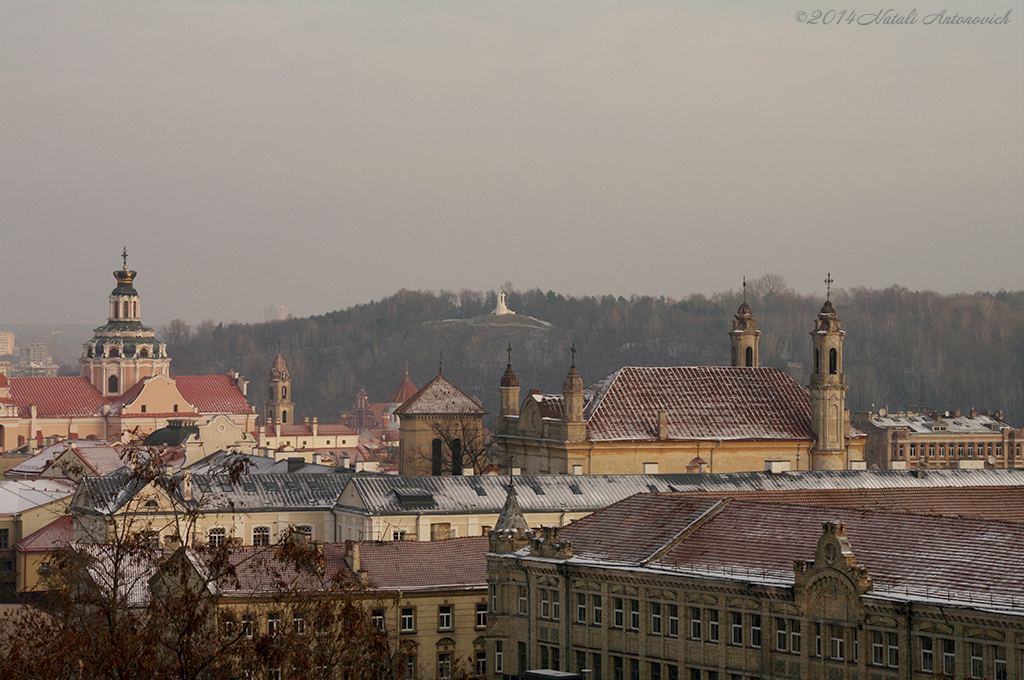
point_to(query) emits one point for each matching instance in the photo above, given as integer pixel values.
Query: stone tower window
(833, 361)
(750, 356)
(436, 459)
(284, 416)
(284, 391)
(112, 384)
(817, 361)
(271, 391)
(124, 309)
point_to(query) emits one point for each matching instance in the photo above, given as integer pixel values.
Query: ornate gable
(830, 587)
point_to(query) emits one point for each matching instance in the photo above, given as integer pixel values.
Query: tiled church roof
(59, 397)
(440, 396)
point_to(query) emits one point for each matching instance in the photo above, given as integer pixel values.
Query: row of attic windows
(113, 352)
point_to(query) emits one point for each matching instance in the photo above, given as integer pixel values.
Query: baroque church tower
(829, 419)
(279, 404)
(744, 335)
(123, 351)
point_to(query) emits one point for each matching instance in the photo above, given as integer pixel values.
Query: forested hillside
(903, 348)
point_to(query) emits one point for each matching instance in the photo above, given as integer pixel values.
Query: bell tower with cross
(829, 419)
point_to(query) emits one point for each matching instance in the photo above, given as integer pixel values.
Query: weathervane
(828, 286)
(124, 257)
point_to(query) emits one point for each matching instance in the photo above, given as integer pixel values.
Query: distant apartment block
(908, 440)
(277, 313)
(6, 343)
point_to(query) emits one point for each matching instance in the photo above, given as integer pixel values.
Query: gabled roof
(702, 403)
(58, 397)
(455, 564)
(56, 534)
(907, 556)
(40, 462)
(440, 396)
(213, 393)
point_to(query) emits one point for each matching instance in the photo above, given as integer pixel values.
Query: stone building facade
(662, 587)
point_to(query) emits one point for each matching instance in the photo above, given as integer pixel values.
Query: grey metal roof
(586, 493)
(258, 465)
(297, 491)
(954, 425)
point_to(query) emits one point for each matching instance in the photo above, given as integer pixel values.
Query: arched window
(284, 391)
(88, 351)
(833, 361)
(112, 384)
(750, 356)
(734, 355)
(456, 456)
(113, 352)
(284, 416)
(817, 361)
(124, 309)
(436, 458)
(144, 353)
(117, 309)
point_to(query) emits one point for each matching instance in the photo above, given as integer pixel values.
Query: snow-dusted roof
(19, 495)
(954, 425)
(440, 396)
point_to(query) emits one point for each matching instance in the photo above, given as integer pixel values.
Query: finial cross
(828, 286)
(124, 257)
(509, 352)
(573, 351)
(744, 290)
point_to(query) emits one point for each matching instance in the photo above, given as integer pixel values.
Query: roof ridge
(686, 531)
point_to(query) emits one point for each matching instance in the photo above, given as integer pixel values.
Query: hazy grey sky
(320, 154)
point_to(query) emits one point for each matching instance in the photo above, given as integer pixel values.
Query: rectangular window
(247, 625)
(408, 620)
(273, 623)
(755, 631)
(581, 661)
(555, 606)
(595, 665)
(5, 539)
(634, 615)
(656, 619)
(673, 672)
(618, 620)
(581, 607)
(377, 619)
(949, 656)
(499, 656)
(977, 660)
(781, 635)
(837, 642)
(634, 669)
(695, 631)
(673, 620)
(894, 650)
(618, 668)
(877, 648)
(817, 640)
(481, 616)
(712, 625)
(655, 670)
(597, 610)
(522, 600)
(299, 623)
(494, 598)
(694, 674)
(927, 655)
(794, 637)
(737, 628)
(481, 664)
(444, 666)
(444, 617)
(545, 604)
(999, 654)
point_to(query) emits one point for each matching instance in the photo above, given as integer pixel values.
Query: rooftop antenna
(124, 257)
(828, 286)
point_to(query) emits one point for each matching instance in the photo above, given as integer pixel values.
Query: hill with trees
(903, 348)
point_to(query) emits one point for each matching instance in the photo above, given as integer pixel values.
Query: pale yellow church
(680, 419)
(125, 386)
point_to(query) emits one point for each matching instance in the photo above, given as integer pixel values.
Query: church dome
(509, 379)
(744, 310)
(403, 392)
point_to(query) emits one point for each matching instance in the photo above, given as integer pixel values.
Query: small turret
(509, 389)
(511, 532)
(744, 337)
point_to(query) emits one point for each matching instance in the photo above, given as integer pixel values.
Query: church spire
(511, 531)
(509, 389)
(744, 335)
(829, 419)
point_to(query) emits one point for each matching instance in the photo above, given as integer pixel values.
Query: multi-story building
(940, 440)
(6, 343)
(441, 431)
(663, 586)
(689, 418)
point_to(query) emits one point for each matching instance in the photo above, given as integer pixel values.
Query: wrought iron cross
(828, 286)
(124, 257)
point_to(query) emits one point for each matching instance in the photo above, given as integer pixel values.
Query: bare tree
(461, 444)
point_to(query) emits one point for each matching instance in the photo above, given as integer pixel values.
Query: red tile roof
(457, 563)
(56, 534)
(928, 556)
(702, 403)
(1001, 504)
(58, 397)
(403, 392)
(213, 393)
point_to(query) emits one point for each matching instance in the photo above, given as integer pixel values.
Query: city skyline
(320, 155)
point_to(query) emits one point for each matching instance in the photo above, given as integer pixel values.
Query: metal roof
(586, 493)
